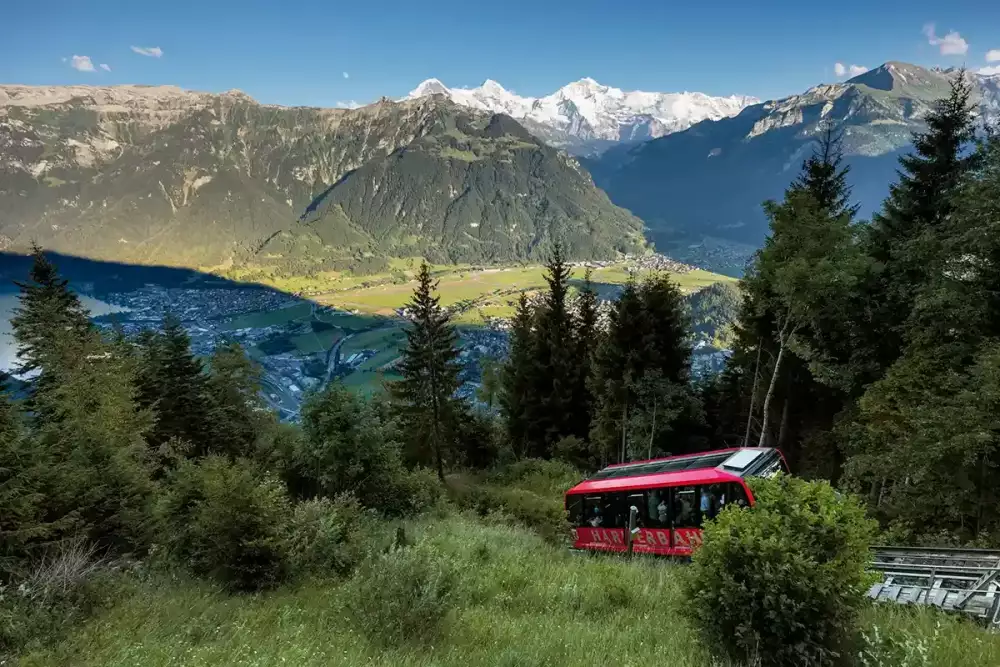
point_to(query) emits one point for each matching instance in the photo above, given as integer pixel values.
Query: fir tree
(617, 363)
(825, 176)
(430, 370)
(516, 397)
(906, 239)
(47, 325)
(815, 351)
(173, 383)
(555, 371)
(586, 343)
(236, 412)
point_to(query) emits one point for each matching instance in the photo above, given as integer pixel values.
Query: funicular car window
(574, 510)
(686, 507)
(658, 508)
(593, 511)
(735, 493)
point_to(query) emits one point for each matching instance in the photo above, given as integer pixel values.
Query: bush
(328, 536)
(57, 592)
(403, 595)
(412, 492)
(545, 478)
(352, 445)
(782, 582)
(225, 520)
(546, 516)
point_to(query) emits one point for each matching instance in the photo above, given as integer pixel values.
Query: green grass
(271, 317)
(309, 343)
(514, 600)
(493, 290)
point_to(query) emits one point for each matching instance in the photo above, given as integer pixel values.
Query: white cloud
(840, 69)
(951, 44)
(350, 104)
(346, 75)
(82, 63)
(153, 51)
(106, 68)
(989, 71)
(993, 55)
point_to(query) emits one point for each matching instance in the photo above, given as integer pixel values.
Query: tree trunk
(753, 394)
(621, 459)
(783, 428)
(652, 430)
(782, 339)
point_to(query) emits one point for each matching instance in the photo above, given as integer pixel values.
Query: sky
(334, 53)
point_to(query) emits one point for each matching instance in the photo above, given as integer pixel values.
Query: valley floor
(513, 600)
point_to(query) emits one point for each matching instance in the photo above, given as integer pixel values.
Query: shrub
(403, 595)
(225, 520)
(412, 492)
(544, 515)
(351, 445)
(545, 478)
(782, 581)
(59, 590)
(327, 536)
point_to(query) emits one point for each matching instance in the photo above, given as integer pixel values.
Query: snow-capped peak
(429, 87)
(585, 113)
(491, 86)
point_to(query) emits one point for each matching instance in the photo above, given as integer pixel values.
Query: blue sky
(322, 53)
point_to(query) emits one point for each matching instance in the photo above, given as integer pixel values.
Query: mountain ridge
(585, 117)
(164, 175)
(673, 182)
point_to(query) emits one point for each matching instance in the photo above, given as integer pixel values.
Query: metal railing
(959, 580)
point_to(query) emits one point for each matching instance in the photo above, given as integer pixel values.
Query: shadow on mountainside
(97, 277)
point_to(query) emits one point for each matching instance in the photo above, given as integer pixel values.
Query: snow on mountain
(586, 117)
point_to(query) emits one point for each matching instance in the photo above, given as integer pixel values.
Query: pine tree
(807, 263)
(614, 362)
(22, 519)
(815, 352)
(825, 176)
(47, 326)
(665, 329)
(555, 370)
(89, 473)
(425, 395)
(586, 343)
(516, 394)
(932, 416)
(906, 238)
(236, 412)
(173, 383)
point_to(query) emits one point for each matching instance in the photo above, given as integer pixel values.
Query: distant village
(289, 374)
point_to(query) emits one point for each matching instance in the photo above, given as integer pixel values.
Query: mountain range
(585, 117)
(708, 181)
(164, 175)
(167, 176)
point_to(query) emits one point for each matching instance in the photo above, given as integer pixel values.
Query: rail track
(959, 580)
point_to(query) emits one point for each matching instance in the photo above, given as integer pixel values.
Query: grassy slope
(494, 291)
(518, 601)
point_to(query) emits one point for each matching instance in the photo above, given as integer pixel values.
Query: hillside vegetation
(164, 176)
(506, 598)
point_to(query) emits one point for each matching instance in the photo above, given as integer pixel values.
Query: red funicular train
(673, 496)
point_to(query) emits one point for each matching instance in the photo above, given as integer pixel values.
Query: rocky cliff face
(710, 180)
(163, 175)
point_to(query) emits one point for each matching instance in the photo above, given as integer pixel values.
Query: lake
(9, 301)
